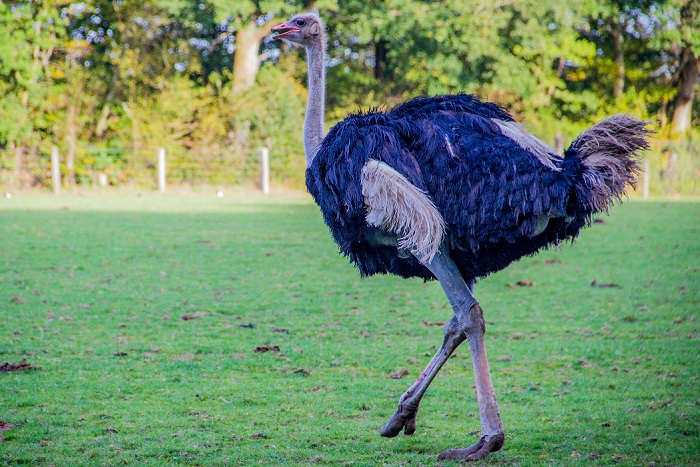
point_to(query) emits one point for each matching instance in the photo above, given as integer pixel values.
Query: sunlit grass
(93, 291)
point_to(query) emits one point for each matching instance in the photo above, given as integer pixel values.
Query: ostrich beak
(284, 30)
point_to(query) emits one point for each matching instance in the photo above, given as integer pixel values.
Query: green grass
(92, 290)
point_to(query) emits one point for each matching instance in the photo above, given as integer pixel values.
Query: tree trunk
(663, 113)
(619, 56)
(137, 158)
(71, 140)
(246, 60)
(380, 50)
(37, 55)
(687, 77)
(19, 166)
(101, 127)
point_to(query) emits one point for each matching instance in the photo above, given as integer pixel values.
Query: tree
(516, 53)
(133, 52)
(250, 21)
(109, 80)
(689, 66)
(397, 48)
(29, 37)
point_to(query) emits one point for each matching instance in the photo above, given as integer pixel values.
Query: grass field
(143, 314)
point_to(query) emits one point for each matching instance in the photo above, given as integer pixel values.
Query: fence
(152, 168)
(671, 169)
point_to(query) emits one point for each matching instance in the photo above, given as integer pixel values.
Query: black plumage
(490, 191)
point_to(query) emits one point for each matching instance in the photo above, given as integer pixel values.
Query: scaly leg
(468, 323)
(492, 435)
(405, 416)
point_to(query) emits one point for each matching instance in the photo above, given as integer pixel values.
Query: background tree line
(107, 81)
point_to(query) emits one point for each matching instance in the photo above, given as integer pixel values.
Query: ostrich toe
(486, 445)
(404, 419)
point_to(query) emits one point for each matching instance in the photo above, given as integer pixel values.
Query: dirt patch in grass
(191, 316)
(604, 285)
(21, 366)
(399, 374)
(300, 371)
(5, 425)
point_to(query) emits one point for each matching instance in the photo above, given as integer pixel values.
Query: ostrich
(453, 189)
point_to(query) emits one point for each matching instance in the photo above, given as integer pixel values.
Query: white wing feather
(396, 205)
(541, 150)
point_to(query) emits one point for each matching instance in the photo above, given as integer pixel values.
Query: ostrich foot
(404, 419)
(486, 445)
(405, 416)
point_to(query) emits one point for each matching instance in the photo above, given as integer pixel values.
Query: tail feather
(609, 152)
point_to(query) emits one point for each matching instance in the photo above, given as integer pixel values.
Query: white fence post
(161, 170)
(55, 171)
(265, 170)
(646, 179)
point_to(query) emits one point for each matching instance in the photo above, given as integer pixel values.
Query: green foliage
(277, 127)
(124, 78)
(93, 290)
(28, 36)
(674, 168)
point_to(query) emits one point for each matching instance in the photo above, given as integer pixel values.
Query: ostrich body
(453, 189)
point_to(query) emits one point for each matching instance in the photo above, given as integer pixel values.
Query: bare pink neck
(315, 105)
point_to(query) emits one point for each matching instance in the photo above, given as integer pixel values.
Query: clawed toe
(487, 444)
(400, 421)
(410, 426)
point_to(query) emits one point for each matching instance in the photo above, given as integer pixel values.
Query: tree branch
(220, 38)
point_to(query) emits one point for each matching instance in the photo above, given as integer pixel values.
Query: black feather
(489, 190)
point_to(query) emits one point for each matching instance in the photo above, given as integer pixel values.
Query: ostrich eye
(301, 22)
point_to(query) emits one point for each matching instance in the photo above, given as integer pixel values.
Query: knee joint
(474, 321)
(454, 334)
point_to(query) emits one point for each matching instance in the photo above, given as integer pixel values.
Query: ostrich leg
(405, 416)
(467, 324)
(492, 435)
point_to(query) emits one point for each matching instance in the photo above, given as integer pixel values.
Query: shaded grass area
(93, 291)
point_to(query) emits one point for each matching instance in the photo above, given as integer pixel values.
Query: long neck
(313, 124)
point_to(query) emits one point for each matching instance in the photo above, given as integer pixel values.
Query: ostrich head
(305, 30)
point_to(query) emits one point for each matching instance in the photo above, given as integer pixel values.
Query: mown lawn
(95, 290)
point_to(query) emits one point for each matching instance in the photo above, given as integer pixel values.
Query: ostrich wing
(541, 150)
(396, 205)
